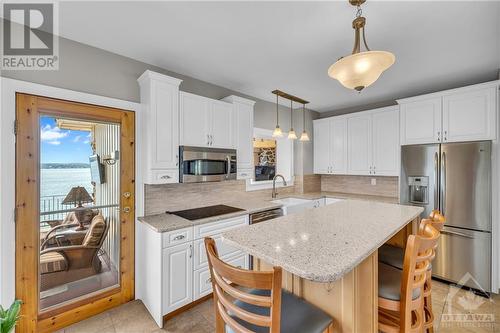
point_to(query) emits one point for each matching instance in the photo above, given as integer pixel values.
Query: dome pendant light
(360, 69)
(291, 133)
(304, 136)
(277, 133)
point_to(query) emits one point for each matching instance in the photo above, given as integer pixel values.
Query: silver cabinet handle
(176, 238)
(209, 280)
(176, 160)
(454, 233)
(208, 139)
(445, 136)
(190, 251)
(439, 136)
(243, 174)
(165, 177)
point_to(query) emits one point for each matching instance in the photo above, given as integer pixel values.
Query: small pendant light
(277, 133)
(304, 136)
(291, 133)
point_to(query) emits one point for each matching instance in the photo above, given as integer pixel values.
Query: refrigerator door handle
(447, 232)
(443, 183)
(436, 182)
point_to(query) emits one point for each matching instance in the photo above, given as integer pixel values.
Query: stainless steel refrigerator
(456, 179)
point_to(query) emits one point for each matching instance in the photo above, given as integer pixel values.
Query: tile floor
(456, 310)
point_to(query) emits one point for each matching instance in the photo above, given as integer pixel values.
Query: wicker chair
(60, 265)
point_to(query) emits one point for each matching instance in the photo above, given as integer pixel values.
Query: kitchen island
(329, 255)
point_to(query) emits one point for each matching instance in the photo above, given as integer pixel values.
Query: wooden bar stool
(393, 256)
(248, 301)
(401, 292)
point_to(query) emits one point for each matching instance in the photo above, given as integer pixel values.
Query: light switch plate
(374, 181)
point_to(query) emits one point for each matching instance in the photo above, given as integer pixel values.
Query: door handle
(436, 181)
(443, 183)
(454, 233)
(228, 159)
(126, 209)
(127, 195)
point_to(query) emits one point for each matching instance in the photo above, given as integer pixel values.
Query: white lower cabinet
(177, 276)
(172, 268)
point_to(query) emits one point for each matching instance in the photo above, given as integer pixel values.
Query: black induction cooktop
(204, 212)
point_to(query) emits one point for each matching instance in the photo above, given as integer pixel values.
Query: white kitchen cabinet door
(359, 131)
(177, 276)
(338, 145)
(321, 146)
(386, 148)
(421, 121)
(221, 125)
(194, 120)
(244, 135)
(470, 116)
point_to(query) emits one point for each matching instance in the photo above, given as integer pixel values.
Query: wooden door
(338, 145)
(470, 116)
(221, 124)
(194, 116)
(386, 148)
(421, 121)
(359, 129)
(29, 109)
(321, 146)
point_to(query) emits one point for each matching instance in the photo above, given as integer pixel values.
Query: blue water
(60, 181)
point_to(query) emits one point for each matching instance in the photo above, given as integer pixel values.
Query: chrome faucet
(274, 193)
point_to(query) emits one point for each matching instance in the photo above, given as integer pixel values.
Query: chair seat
(52, 262)
(389, 283)
(391, 255)
(297, 316)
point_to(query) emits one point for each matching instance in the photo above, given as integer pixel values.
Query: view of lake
(60, 181)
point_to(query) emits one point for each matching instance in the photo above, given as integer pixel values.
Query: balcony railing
(52, 203)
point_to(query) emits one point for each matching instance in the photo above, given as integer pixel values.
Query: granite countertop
(325, 243)
(167, 222)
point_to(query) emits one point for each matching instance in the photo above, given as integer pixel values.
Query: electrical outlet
(374, 181)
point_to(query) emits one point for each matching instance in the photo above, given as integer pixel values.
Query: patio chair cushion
(95, 232)
(52, 262)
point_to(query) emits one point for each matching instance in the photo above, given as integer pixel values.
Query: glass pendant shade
(360, 69)
(291, 134)
(304, 136)
(277, 133)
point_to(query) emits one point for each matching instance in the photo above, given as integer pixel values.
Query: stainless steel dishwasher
(261, 217)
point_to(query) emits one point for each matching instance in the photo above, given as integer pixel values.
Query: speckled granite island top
(324, 244)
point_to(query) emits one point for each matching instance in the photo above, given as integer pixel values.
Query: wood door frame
(28, 110)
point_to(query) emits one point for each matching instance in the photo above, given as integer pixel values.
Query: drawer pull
(165, 177)
(176, 238)
(209, 280)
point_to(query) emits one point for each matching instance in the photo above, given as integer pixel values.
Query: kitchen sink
(292, 201)
(294, 205)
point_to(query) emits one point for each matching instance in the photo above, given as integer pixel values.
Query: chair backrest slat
(224, 279)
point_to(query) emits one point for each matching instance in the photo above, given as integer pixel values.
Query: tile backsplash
(386, 186)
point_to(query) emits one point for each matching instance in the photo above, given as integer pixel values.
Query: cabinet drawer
(177, 237)
(224, 250)
(244, 174)
(202, 282)
(213, 228)
(164, 176)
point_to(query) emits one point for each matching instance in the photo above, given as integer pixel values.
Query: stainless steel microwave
(199, 165)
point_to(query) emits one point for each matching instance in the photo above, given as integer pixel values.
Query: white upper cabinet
(464, 114)
(330, 145)
(194, 120)
(205, 122)
(243, 134)
(160, 104)
(359, 144)
(364, 143)
(321, 146)
(386, 148)
(338, 145)
(221, 125)
(470, 115)
(421, 121)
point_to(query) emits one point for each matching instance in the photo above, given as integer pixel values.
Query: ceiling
(256, 47)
